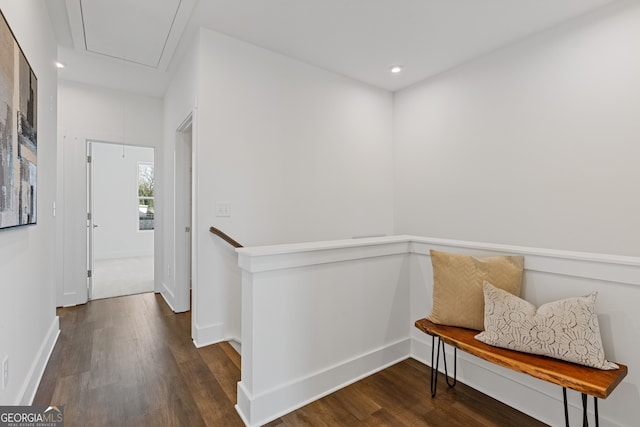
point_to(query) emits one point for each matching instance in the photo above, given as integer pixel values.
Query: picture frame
(18, 133)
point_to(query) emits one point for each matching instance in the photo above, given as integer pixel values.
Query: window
(146, 210)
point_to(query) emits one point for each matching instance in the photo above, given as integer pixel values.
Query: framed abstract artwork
(18, 133)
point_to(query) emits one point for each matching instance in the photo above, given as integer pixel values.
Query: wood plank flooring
(130, 361)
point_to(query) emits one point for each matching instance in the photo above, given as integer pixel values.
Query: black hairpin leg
(434, 365)
(435, 360)
(585, 419)
(455, 367)
(566, 407)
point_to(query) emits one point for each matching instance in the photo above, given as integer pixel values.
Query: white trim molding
(207, 335)
(616, 268)
(279, 257)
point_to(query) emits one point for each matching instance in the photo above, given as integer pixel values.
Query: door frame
(91, 226)
(185, 280)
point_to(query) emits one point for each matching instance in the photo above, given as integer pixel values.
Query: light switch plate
(223, 209)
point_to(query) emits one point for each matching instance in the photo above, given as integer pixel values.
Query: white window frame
(140, 198)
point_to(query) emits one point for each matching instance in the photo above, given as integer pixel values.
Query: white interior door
(183, 215)
(90, 224)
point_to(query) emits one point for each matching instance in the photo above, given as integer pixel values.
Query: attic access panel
(132, 30)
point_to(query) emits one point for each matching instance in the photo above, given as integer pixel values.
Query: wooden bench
(588, 381)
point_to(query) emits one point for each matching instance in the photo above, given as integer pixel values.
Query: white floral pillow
(566, 329)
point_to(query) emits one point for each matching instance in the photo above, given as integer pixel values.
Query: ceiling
(135, 44)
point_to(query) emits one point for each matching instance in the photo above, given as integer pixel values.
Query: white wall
(300, 153)
(179, 104)
(549, 275)
(97, 114)
(536, 145)
(28, 322)
(115, 201)
(318, 316)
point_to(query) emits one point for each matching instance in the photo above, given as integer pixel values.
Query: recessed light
(59, 64)
(396, 69)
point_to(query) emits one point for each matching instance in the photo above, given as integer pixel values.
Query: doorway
(183, 215)
(121, 220)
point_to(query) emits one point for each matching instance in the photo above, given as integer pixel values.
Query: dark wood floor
(129, 361)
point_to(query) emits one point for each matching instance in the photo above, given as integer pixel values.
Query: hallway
(130, 361)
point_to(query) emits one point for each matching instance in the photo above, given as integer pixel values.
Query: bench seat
(586, 380)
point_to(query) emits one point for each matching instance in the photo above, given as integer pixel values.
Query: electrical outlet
(5, 372)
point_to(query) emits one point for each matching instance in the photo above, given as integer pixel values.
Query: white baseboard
(167, 295)
(172, 301)
(34, 376)
(207, 335)
(236, 344)
(262, 408)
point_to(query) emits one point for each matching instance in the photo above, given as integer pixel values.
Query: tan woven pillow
(566, 329)
(458, 299)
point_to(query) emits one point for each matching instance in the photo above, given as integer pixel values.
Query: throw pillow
(458, 299)
(566, 329)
